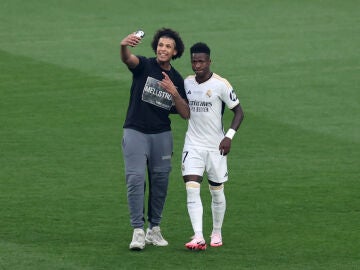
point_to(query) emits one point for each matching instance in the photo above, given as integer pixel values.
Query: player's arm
(182, 107)
(127, 57)
(238, 117)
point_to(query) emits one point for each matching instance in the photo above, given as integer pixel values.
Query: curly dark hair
(167, 32)
(200, 47)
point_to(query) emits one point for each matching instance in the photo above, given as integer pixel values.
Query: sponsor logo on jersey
(199, 106)
(233, 96)
(200, 103)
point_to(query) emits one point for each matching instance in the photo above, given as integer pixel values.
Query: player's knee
(217, 193)
(215, 186)
(192, 184)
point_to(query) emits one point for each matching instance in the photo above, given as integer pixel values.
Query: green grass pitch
(293, 195)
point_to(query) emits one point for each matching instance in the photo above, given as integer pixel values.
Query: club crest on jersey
(188, 92)
(209, 93)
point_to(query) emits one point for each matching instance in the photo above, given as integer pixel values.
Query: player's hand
(225, 146)
(131, 40)
(168, 85)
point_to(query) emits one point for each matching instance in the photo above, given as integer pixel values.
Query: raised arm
(126, 56)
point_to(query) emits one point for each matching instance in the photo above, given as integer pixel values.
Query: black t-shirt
(143, 116)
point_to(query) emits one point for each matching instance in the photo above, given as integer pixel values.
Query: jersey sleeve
(228, 95)
(137, 71)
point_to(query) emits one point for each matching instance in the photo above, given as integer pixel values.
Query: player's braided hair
(167, 32)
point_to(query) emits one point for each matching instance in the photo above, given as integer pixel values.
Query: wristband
(230, 133)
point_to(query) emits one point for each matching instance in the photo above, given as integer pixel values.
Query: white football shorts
(198, 161)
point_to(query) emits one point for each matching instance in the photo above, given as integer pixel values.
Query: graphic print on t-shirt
(154, 94)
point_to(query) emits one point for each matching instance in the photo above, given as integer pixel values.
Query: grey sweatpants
(146, 154)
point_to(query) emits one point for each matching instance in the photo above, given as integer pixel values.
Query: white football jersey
(207, 103)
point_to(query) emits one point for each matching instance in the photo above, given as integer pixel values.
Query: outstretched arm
(126, 56)
(181, 105)
(238, 117)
